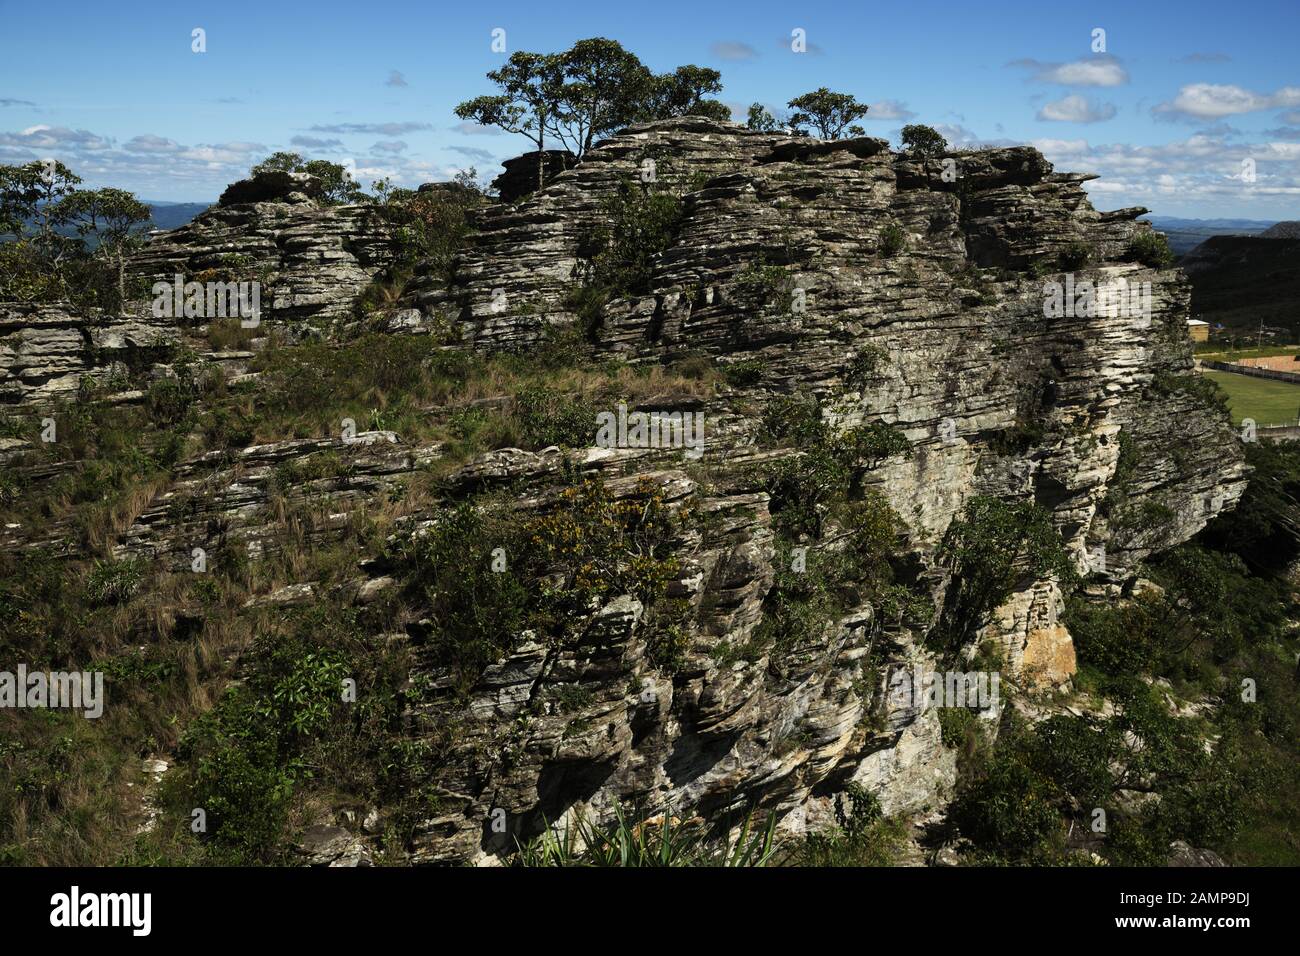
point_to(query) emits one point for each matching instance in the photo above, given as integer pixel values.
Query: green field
(1216, 353)
(1267, 401)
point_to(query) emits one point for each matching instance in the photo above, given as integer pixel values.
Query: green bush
(547, 417)
(892, 240)
(1151, 248)
(114, 582)
(993, 547)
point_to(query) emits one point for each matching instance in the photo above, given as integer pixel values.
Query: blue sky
(1182, 95)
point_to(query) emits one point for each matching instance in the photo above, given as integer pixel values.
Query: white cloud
(1076, 109)
(148, 143)
(888, 110)
(54, 137)
(1100, 70)
(1200, 175)
(1214, 100)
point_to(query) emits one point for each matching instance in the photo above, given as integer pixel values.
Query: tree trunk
(541, 155)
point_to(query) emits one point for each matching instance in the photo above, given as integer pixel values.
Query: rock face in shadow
(520, 176)
(271, 186)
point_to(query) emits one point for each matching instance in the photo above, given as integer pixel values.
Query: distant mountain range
(1185, 234)
(170, 215)
(165, 215)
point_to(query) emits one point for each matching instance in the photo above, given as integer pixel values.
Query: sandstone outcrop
(948, 278)
(311, 259)
(47, 350)
(938, 270)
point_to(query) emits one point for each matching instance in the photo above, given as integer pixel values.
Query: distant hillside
(1290, 229)
(166, 215)
(1240, 281)
(1185, 234)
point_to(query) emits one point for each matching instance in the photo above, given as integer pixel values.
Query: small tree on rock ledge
(830, 114)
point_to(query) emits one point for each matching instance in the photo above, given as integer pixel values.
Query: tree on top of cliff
(923, 140)
(761, 119)
(830, 114)
(682, 93)
(589, 91)
(337, 185)
(530, 91)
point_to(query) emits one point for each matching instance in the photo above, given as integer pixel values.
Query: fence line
(1293, 377)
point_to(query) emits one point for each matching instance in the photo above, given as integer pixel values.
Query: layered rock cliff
(995, 396)
(893, 289)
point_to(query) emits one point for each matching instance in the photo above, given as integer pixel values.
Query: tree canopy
(594, 88)
(830, 114)
(923, 140)
(338, 186)
(65, 236)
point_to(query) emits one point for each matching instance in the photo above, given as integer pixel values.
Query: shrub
(547, 417)
(1151, 248)
(1074, 256)
(892, 240)
(114, 582)
(990, 549)
(761, 286)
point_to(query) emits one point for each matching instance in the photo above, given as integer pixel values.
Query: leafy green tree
(603, 86)
(52, 221)
(532, 86)
(830, 114)
(587, 92)
(990, 549)
(683, 92)
(111, 215)
(337, 185)
(923, 140)
(760, 119)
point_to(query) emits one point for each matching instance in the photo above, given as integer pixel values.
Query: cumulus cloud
(374, 129)
(313, 142)
(1198, 101)
(148, 143)
(395, 78)
(1076, 109)
(53, 137)
(888, 110)
(733, 50)
(1202, 173)
(478, 155)
(1100, 70)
